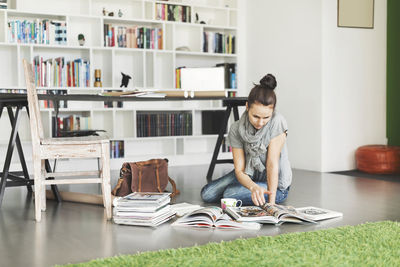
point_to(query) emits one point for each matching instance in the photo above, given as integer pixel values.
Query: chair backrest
(34, 112)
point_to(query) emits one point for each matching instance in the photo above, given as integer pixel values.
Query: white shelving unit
(149, 68)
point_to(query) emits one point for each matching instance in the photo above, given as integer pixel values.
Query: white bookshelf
(149, 68)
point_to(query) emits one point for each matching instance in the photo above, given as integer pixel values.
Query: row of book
(69, 123)
(178, 75)
(214, 42)
(37, 32)
(143, 209)
(13, 91)
(61, 73)
(173, 12)
(230, 74)
(117, 149)
(50, 103)
(231, 94)
(164, 124)
(133, 37)
(225, 147)
(3, 4)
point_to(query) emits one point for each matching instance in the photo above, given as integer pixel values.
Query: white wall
(331, 81)
(284, 38)
(354, 87)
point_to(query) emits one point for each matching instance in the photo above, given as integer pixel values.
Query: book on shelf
(37, 31)
(60, 32)
(142, 209)
(230, 74)
(69, 123)
(50, 103)
(164, 123)
(225, 147)
(231, 93)
(213, 217)
(13, 91)
(178, 71)
(133, 37)
(172, 12)
(57, 72)
(214, 42)
(117, 149)
(268, 213)
(3, 4)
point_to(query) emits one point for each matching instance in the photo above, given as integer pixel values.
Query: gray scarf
(254, 144)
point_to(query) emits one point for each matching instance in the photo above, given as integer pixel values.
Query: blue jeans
(229, 187)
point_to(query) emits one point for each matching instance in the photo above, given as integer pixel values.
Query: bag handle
(148, 162)
(140, 178)
(117, 187)
(174, 190)
(158, 178)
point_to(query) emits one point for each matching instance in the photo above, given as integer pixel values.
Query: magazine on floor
(210, 217)
(318, 214)
(142, 199)
(268, 213)
(142, 221)
(184, 208)
(143, 208)
(132, 213)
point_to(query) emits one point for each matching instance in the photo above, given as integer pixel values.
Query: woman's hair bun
(268, 81)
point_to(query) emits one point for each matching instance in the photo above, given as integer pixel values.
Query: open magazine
(209, 217)
(268, 213)
(318, 214)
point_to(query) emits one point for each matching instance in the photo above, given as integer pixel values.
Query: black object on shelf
(211, 121)
(79, 133)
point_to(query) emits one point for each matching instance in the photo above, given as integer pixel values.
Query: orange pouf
(378, 159)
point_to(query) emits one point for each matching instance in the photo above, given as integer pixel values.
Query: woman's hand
(257, 194)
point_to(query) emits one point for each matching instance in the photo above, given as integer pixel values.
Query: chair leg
(38, 187)
(43, 186)
(105, 174)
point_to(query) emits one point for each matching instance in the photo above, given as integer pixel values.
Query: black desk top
(6, 97)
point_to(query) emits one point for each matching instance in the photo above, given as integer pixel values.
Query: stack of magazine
(143, 209)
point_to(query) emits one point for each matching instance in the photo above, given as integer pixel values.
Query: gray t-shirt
(276, 126)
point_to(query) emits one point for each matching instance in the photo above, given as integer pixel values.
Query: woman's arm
(274, 153)
(257, 192)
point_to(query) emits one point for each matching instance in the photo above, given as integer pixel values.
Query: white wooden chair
(54, 148)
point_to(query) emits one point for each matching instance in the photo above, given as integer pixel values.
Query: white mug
(230, 202)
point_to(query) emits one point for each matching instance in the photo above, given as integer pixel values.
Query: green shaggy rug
(370, 244)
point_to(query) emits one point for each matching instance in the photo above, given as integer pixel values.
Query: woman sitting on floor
(261, 165)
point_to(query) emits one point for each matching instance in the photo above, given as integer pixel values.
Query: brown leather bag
(144, 176)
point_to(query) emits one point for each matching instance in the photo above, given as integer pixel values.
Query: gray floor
(72, 232)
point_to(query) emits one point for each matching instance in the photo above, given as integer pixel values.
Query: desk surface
(5, 97)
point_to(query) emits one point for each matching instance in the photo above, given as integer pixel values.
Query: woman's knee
(281, 196)
(208, 195)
